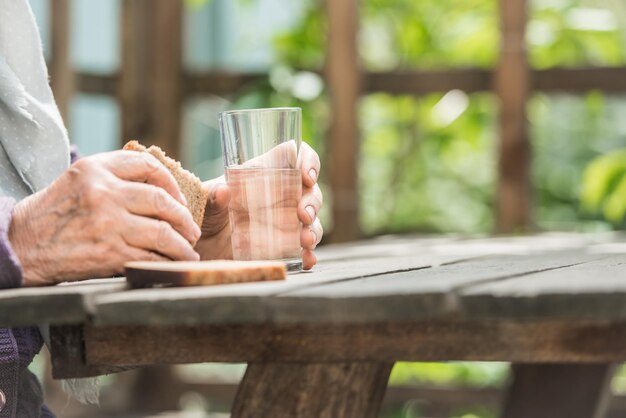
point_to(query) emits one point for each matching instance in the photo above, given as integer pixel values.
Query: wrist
(20, 237)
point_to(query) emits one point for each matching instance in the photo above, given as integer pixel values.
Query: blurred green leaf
(604, 186)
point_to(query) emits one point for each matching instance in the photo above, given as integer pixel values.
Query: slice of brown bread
(190, 185)
(201, 273)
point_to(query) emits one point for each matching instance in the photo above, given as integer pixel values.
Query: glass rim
(261, 110)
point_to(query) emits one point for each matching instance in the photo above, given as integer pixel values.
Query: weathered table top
(537, 298)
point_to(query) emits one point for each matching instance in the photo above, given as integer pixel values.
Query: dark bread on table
(190, 185)
(201, 273)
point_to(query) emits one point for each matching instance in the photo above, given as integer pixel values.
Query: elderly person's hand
(103, 211)
(215, 242)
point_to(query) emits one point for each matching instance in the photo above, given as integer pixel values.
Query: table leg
(323, 390)
(558, 391)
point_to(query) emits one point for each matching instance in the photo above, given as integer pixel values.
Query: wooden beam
(61, 75)
(512, 85)
(559, 391)
(572, 80)
(424, 82)
(606, 79)
(150, 88)
(220, 83)
(344, 84)
(518, 341)
(348, 390)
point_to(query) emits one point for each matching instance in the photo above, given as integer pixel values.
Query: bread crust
(190, 185)
(202, 273)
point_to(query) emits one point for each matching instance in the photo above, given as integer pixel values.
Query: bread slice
(201, 273)
(190, 185)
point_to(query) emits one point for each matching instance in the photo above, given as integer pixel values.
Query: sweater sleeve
(74, 154)
(10, 268)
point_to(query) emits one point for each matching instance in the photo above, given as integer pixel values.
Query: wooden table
(322, 344)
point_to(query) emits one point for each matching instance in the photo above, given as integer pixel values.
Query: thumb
(216, 211)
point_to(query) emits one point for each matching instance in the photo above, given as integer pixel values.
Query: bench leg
(324, 390)
(558, 391)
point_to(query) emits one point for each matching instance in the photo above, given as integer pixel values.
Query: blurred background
(430, 116)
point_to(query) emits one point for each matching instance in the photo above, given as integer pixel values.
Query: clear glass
(261, 149)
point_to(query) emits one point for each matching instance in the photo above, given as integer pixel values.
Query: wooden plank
(61, 73)
(62, 304)
(512, 84)
(347, 390)
(242, 303)
(151, 77)
(376, 289)
(344, 83)
(589, 290)
(67, 349)
(559, 391)
(428, 340)
(415, 294)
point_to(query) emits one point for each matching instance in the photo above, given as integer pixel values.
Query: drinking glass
(261, 149)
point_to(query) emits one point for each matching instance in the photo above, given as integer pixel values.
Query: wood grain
(62, 304)
(375, 290)
(67, 349)
(594, 289)
(441, 340)
(347, 390)
(248, 302)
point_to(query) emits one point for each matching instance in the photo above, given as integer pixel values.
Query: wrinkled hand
(215, 242)
(103, 211)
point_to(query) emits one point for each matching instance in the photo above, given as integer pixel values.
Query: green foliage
(604, 186)
(429, 34)
(415, 162)
(577, 32)
(458, 374)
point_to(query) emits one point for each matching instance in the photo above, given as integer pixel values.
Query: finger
(157, 236)
(311, 235)
(310, 205)
(148, 200)
(138, 254)
(308, 259)
(309, 165)
(143, 167)
(216, 211)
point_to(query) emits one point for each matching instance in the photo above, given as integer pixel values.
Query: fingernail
(313, 174)
(311, 212)
(196, 232)
(184, 200)
(314, 238)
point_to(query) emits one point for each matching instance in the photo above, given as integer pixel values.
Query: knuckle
(163, 235)
(149, 163)
(162, 203)
(94, 194)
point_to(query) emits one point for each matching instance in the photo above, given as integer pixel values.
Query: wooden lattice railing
(152, 85)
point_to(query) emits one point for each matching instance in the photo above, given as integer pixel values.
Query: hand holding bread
(104, 211)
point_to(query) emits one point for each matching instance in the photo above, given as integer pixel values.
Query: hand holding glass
(261, 150)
